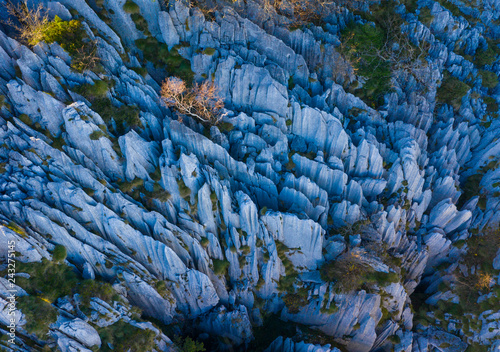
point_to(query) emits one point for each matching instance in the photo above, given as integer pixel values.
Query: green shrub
(159, 193)
(359, 44)
(451, 91)
(189, 345)
(153, 50)
(96, 135)
(71, 36)
(204, 242)
(92, 91)
(470, 188)
(491, 104)
(184, 190)
(164, 291)
(58, 142)
(25, 119)
(59, 253)
(131, 7)
(3, 102)
(490, 79)
(93, 288)
(482, 249)
(129, 186)
(125, 337)
(125, 116)
(487, 56)
(411, 5)
(286, 283)
(348, 272)
(209, 51)
(47, 279)
(220, 266)
(160, 56)
(140, 23)
(381, 278)
(263, 211)
(395, 339)
(425, 16)
(333, 308)
(39, 314)
(140, 70)
(245, 249)
(476, 347)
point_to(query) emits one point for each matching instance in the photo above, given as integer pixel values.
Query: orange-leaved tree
(201, 101)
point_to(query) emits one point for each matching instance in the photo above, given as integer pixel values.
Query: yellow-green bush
(131, 7)
(69, 34)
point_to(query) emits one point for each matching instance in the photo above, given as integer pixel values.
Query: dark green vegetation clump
(125, 117)
(220, 266)
(39, 315)
(482, 250)
(96, 135)
(286, 283)
(451, 91)
(189, 345)
(425, 16)
(50, 280)
(273, 326)
(99, 289)
(59, 253)
(160, 56)
(96, 90)
(378, 48)
(490, 79)
(360, 43)
(351, 274)
(491, 104)
(156, 52)
(488, 55)
(125, 337)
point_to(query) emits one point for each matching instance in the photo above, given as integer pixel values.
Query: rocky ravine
(242, 235)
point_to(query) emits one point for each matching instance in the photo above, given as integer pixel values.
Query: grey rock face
(234, 326)
(80, 331)
(287, 345)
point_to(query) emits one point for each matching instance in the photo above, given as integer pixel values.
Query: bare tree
(31, 21)
(201, 101)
